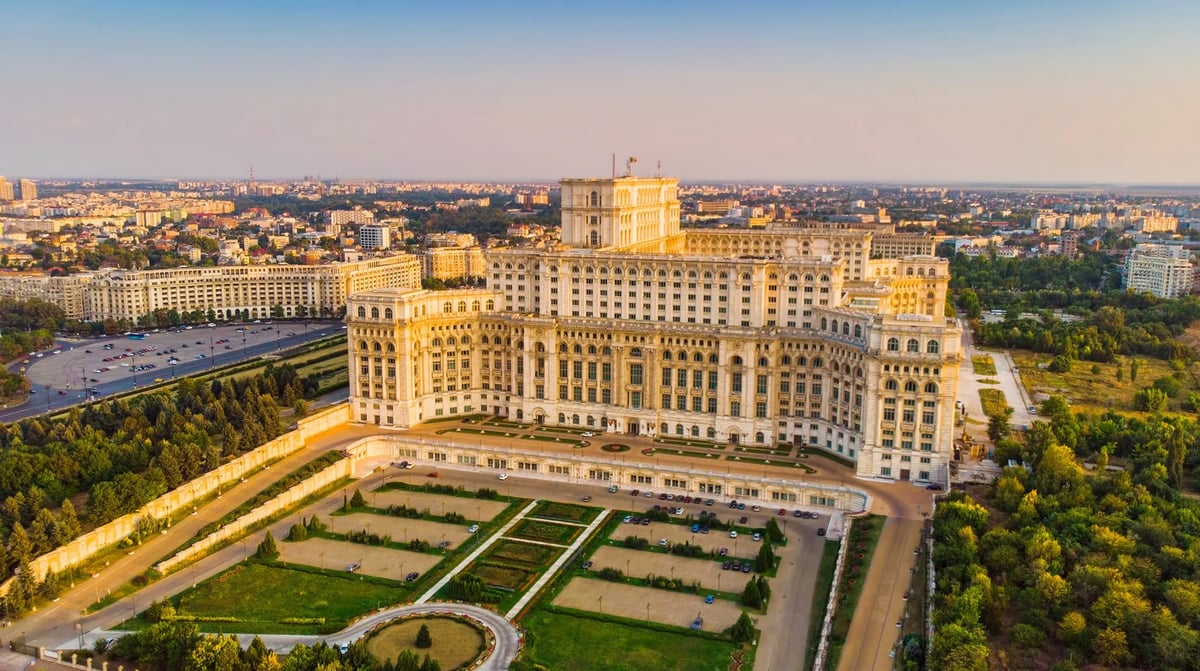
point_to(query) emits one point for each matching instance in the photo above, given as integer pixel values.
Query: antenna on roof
(659, 173)
(614, 161)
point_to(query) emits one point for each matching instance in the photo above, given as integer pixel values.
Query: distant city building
(1049, 221)
(1163, 270)
(899, 245)
(28, 190)
(336, 220)
(632, 326)
(721, 207)
(1069, 243)
(373, 236)
(6, 189)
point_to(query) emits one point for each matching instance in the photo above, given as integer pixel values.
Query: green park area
(993, 401)
(568, 643)
(268, 598)
(1097, 387)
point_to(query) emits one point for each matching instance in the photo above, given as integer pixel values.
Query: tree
(267, 549)
(998, 426)
(766, 557)
(1150, 399)
(1133, 370)
(424, 640)
(742, 630)
(774, 533)
(751, 597)
(357, 501)
(1060, 364)
(430, 664)
(1110, 647)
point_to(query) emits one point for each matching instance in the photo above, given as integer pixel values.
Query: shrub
(611, 574)
(424, 640)
(636, 543)
(486, 493)
(1027, 636)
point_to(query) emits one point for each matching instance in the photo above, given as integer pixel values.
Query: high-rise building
(28, 190)
(6, 189)
(1163, 270)
(1069, 242)
(374, 237)
(787, 335)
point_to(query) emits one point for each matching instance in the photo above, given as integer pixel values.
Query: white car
(587, 434)
(733, 534)
(473, 528)
(503, 476)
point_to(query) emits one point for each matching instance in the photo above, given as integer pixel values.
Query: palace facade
(786, 335)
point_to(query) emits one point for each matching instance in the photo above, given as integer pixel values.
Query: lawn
(259, 593)
(568, 643)
(552, 510)
(504, 577)
(993, 402)
(545, 532)
(1090, 391)
(983, 365)
(455, 643)
(512, 552)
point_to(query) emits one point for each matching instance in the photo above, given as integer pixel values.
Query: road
(784, 626)
(66, 372)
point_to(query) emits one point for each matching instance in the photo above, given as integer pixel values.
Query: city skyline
(933, 92)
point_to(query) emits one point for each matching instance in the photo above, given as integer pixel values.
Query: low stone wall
(85, 546)
(331, 474)
(831, 606)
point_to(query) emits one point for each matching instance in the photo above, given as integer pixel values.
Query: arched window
(679, 429)
(760, 438)
(858, 330)
(785, 361)
(562, 418)
(377, 347)
(591, 421)
(824, 323)
(391, 348)
(763, 363)
(362, 344)
(914, 345)
(817, 362)
(910, 386)
(932, 347)
(931, 388)
(636, 351)
(474, 306)
(437, 342)
(562, 348)
(577, 350)
(834, 326)
(711, 433)
(362, 312)
(575, 420)
(666, 356)
(890, 385)
(846, 328)
(735, 360)
(374, 313)
(462, 306)
(451, 341)
(607, 351)
(712, 358)
(591, 350)
(698, 357)
(594, 200)
(447, 307)
(490, 305)
(388, 314)
(664, 428)
(893, 344)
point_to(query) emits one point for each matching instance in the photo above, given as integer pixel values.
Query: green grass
(993, 402)
(552, 510)
(983, 365)
(263, 594)
(820, 600)
(1098, 392)
(513, 552)
(553, 439)
(545, 532)
(568, 643)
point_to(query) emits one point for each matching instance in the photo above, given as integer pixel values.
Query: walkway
(563, 558)
(508, 640)
(462, 565)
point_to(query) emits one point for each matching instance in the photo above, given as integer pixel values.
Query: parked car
(587, 434)
(821, 531)
(798, 513)
(473, 528)
(732, 533)
(502, 476)
(756, 537)
(612, 489)
(411, 576)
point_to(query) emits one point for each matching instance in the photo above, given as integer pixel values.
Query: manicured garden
(861, 543)
(545, 532)
(993, 401)
(552, 510)
(983, 365)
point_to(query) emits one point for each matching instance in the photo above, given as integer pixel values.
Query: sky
(916, 91)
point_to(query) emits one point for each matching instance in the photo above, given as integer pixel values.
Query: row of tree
(179, 646)
(1056, 563)
(123, 454)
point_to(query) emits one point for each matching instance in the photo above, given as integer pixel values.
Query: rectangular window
(712, 379)
(606, 372)
(635, 399)
(606, 396)
(577, 370)
(666, 377)
(761, 384)
(697, 379)
(712, 406)
(635, 373)
(760, 409)
(666, 401)
(591, 370)
(735, 409)
(736, 384)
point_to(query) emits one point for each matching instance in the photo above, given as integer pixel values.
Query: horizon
(931, 93)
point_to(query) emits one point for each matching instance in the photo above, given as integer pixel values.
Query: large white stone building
(786, 335)
(1163, 270)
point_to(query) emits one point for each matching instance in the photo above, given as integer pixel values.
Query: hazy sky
(888, 90)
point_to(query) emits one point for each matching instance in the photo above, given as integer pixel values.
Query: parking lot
(82, 363)
(401, 529)
(438, 504)
(639, 563)
(372, 560)
(648, 603)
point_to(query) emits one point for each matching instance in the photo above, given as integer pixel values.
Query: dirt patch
(376, 561)
(438, 504)
(638, 563)
(455, 643)
(401, 529)
(632, 602)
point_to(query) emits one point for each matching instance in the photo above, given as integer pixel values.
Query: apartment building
(1163, 270)
(374, 236)
(447, 263)
(636, 327)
